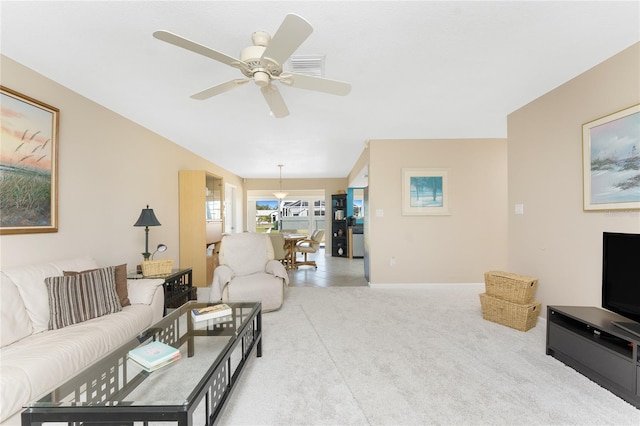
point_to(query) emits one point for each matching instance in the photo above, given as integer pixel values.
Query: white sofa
(34, 360)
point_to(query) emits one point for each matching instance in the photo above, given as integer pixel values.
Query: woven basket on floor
(511, 287)
(522, 317)
(156, 267)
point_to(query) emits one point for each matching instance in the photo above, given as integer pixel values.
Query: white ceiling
(419, 69)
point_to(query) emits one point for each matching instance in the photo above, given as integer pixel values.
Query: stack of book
(219, 312)
(154, 355)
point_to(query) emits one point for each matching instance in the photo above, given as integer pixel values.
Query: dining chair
(280, 253)
(308, 245)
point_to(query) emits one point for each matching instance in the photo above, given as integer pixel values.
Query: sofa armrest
(142, 291)
(148, 291)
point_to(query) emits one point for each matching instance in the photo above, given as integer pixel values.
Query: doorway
(300, 212)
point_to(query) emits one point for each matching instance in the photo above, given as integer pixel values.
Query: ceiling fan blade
(220, 88)
(318, 84)
(180, 41)
(293, 31)
(275, 100)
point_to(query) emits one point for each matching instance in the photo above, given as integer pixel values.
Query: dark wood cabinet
(585, 339)
(339, 240)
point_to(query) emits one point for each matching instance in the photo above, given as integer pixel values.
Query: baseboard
(422, 285)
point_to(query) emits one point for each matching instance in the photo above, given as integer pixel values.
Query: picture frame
(425, 191)
(28, 165)
(611, 161)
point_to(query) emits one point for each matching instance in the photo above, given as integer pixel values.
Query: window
(358, 203)
(302, 211)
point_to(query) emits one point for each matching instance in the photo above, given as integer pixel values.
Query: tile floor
(332, 271)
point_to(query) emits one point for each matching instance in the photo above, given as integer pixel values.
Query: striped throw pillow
(121, 282)
(78, 298)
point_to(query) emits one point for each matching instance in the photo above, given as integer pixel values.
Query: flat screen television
(621, 278)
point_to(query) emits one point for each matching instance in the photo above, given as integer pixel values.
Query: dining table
(290, 241)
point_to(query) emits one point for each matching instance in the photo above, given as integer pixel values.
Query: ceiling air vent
(308, 64)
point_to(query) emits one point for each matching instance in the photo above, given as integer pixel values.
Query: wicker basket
(156, 267)
(522, 317)
(511, 287)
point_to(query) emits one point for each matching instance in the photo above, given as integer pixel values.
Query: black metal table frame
(101, 413)
(178, 288)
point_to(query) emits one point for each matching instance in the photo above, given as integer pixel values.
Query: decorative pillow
(30, 283)
(15, 323)
(80, 297)
(121, 282)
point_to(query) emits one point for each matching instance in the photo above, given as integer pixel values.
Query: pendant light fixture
(280, 195)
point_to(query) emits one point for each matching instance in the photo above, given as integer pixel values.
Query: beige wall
(555, 239)
(330, 186)
(109, 169)
(457, 248)
(359, 175)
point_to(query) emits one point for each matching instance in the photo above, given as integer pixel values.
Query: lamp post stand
(146, 253)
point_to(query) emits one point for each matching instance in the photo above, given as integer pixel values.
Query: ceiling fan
(262, 64)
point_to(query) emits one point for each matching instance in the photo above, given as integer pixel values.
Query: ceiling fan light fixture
(263, 61)
(261, 78)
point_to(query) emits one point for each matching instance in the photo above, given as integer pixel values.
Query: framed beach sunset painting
(611, 161)
(28, 165)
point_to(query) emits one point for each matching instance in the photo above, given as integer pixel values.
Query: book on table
(211, 312)
(162, 364)
(154, 355)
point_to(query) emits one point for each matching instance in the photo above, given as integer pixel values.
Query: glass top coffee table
(191, 390)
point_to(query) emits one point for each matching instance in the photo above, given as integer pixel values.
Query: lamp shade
(280, 195)
(147, 218)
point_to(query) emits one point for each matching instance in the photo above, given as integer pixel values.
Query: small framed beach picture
(425, 191)
(28, 165)
(611, 161)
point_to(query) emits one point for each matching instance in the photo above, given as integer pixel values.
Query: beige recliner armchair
(248, 272)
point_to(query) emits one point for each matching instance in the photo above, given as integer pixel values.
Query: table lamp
(160, 248)
(147, 218)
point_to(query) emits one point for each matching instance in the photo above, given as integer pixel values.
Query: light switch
(519, 209)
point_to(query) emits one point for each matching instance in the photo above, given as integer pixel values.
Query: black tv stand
(586, 339)
(628, 326)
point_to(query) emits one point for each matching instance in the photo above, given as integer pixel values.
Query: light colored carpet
(363, 356)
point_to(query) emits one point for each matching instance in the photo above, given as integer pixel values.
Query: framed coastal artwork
(611, 161)
(28, 165)
(425, 191)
